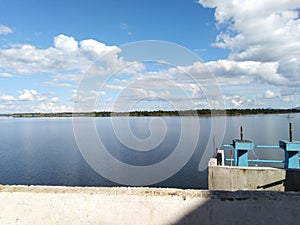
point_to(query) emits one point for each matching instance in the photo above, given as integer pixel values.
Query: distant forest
(199, 112)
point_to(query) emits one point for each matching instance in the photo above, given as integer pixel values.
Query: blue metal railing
(256, 146)
(258, 160)
(243, 147)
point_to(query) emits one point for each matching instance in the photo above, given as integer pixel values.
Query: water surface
(44, 151)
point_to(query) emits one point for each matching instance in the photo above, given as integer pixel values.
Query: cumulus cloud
(29, 100)
(66, 55)
(263, 39)
(265, 31)
(30, 95)
(65, 43)
(5, 29)
(27, 95)
(250, 70)
(96, 49)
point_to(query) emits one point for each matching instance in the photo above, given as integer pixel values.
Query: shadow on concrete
(246, 207)
(270, 185)
(290, 183)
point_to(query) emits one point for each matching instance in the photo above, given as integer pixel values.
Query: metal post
(291, 132)
(241, 133)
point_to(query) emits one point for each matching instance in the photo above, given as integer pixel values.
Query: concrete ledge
(77, 205)
(234, 178)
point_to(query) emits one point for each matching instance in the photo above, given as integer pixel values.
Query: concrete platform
(232, 178)
(77, 205)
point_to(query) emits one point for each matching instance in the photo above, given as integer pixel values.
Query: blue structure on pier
(242, 147)
(291, 153)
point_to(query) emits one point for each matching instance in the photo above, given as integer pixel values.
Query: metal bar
(265, 160)
(255, 146)
(229, 159)
(260, 160)
(266, 146)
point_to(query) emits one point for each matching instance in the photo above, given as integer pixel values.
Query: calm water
(44, 151)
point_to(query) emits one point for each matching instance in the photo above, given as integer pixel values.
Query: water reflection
(44, 151)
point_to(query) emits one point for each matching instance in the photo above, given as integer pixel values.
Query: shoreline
(199, 113)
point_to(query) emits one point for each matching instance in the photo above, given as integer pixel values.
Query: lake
(147, 151)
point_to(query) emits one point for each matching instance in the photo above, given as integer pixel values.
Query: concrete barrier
(234, 178)
(75, 205)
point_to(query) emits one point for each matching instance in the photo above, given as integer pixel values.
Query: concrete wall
(70, 205)
(251, 178)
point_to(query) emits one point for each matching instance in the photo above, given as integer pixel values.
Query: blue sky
(113, 22)
(251, 50)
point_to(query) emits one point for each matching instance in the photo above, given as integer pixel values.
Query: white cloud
(240, 71)
(237, 101)
(30, 100)
(270, 94)
(200, 77)
(23, 59)
(290, 68)
(261, 31)
(265, 30)
(96, 49)
(30, 95)
(5, 29)
(65, 43)
(250, 63)
(7, 98)
(51, 107)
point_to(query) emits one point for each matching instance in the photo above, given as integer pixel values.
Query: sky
(95, 55)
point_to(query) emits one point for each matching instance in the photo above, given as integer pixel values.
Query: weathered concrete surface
(70, 205)
(233, 178)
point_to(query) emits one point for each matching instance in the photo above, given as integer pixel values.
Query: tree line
(199, 112)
